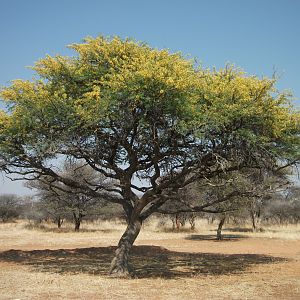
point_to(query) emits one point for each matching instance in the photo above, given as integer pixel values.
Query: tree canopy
(150, 120)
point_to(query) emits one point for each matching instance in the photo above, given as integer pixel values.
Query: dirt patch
(184, 265)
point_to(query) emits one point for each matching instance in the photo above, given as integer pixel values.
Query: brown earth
(49, 264)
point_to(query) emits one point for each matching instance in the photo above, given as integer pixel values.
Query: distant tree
(267, 189)
(227, 193)
(285, 207)
(231, 195)
(60, 201)
(32, 211)
(131, 111)
(180, 219)
(294, 199)
(9, 207)
(51, 207)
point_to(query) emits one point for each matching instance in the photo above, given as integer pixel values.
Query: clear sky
(258, 35)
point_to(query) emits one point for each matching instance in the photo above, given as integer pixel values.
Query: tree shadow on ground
(238, 229)
(213, 237)
(147, 261)
(44, 228)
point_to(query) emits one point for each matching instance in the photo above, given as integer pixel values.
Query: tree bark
(77, 221)
(77, 225)
(173, 223)
(192, 218)
(219, 231)
(177, 221)
(119, 266)
(59, 222)
(255, 218)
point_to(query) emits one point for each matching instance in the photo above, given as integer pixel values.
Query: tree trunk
(77, 221)
(219, 231)
(253, 221)
(177, 221)
(77, 225)
(255, 218)
(119, 266)
(192, 218)
(59, 222)
(210, 220)
(173, 223)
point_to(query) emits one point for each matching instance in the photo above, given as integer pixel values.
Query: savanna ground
(44, 263)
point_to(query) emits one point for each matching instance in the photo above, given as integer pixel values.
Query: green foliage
(118, 97)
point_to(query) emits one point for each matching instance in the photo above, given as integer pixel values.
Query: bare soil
(51, 264)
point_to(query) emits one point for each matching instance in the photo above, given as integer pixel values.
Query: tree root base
(120, 274)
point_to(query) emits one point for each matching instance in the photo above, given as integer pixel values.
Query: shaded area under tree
(148, 261)
(213, 237)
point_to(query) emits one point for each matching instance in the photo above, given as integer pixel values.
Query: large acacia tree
(150, 120)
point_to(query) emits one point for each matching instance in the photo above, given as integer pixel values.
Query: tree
(9, 207)
(32, 210)
(285, 207)
(133, 112)
(264, 186)
(268, 187)
(60, 201)
(48, 205)
(179, 220)
(229, 194)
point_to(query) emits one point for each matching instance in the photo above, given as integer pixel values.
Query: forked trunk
(119, 266)
(219, 231)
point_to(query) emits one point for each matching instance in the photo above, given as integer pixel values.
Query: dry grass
(47, 263)
(286, 232)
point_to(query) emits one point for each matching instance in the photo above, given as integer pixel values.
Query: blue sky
(259, 36)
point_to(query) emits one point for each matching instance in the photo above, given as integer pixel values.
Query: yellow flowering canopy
(125, 107)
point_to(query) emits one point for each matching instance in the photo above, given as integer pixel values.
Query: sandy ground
(48, 264)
